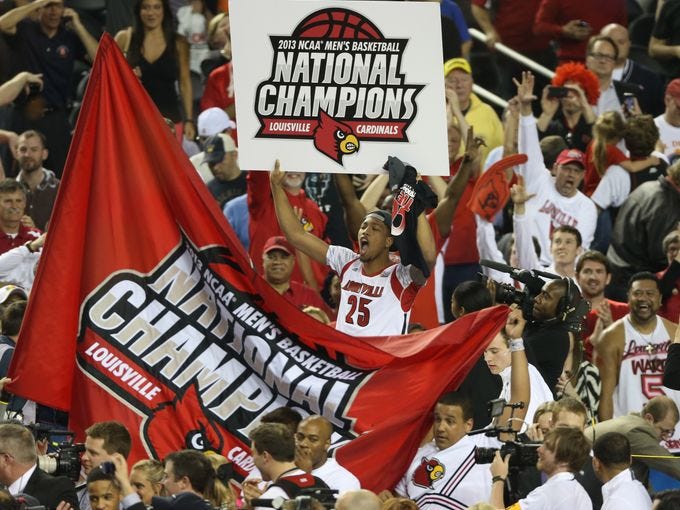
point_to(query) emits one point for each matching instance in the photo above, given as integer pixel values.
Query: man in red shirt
(572, 22)
(263, 222)
(278, 261)
(15, 227)
(593, 275)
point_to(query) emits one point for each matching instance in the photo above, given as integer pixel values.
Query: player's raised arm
(289, 222)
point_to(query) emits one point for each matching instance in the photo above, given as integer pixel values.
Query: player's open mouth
(363, 245)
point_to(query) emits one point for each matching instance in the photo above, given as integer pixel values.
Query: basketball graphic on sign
(337, 24)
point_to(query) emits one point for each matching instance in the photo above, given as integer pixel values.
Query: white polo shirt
(624, 491)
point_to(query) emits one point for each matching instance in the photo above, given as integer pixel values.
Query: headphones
(572, 307)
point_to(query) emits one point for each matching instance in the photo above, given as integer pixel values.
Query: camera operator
(19, 471)
(556, 313)
(273, 450)
(560, 456)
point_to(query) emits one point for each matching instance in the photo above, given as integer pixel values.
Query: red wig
(577, 72)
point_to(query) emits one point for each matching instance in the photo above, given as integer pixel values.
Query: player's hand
(277, 175)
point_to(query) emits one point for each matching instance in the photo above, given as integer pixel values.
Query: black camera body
(65, 459)
(571, 310)
(521, 454)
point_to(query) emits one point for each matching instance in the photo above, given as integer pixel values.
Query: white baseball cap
(213, 121)
(8, 290)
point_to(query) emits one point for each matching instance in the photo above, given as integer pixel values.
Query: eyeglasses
(666, 433)
(602, 56)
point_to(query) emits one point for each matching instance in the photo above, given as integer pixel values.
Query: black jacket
(51, 490)
(645, 218)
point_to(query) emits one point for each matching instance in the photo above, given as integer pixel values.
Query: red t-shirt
(591, 178)
(301, 296)
(553, 14)
(514, 24)
(24, 235)
(264, 224)
(670, 309)
(424, 310)
(219, 89)
(618, 310)
(463, 228)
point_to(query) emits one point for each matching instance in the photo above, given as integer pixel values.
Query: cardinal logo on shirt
(429, 471)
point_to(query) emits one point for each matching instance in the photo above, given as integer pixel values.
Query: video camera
(571, 311)
(303, 501)
(65, 459)
(521, 454)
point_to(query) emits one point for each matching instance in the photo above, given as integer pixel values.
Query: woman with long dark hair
(160, 58)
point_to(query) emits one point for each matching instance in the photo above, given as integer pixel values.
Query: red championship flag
(146, 310)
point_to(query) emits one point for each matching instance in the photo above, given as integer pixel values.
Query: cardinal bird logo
(334, 138)
(429, 471)
(182, 424)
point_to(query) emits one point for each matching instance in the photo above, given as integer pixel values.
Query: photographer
(557, 311)
(20, 474)
(561, 455)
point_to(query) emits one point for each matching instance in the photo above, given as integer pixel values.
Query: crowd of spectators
(593, 352)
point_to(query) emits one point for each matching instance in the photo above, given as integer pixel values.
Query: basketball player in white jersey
(376, 294)
(632, 352)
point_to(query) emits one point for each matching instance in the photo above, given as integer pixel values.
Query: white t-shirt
(548, 208)
(614, 187)
(608, 101)
(669, 136)
(337, 477)
(194, 26)
(371, 305)
(448, 478)
(560, 492)
(623, 491)
(539, 390)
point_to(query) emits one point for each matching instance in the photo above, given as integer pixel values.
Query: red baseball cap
(571, 156)
(278, 243)
(673, 89)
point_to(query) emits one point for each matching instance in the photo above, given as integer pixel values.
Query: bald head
(619, 34)
(313, 439)
(322, 424)
(358, 500)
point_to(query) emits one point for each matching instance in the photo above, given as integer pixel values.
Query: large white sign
(339, 86)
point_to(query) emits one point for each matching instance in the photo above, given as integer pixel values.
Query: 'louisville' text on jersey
(363, 288)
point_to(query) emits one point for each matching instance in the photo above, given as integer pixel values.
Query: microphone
(268, 503)
(529, 278)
